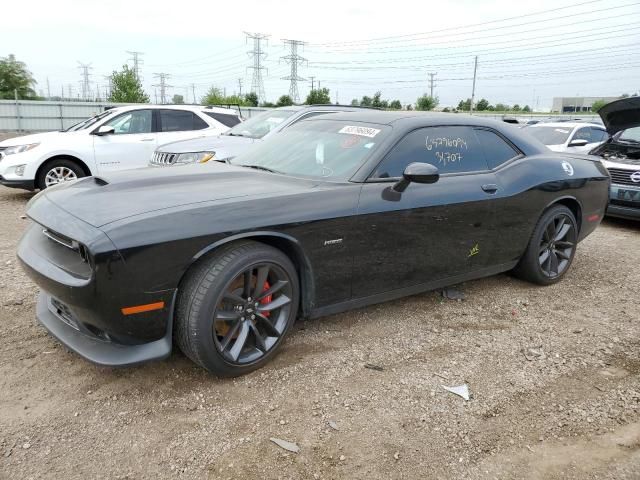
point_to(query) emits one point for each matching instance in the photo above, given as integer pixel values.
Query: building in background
(577, 104)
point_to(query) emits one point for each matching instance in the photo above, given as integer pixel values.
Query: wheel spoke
(562, 232)
(553, 263)
(281, 301)
(544, 256)
(548, 232)
(559, 225)
(261, 278)
(562, 254)
(274, 289)
(270, 329)
(237, 299)
(226, 315)
(246, 293)
(238, 345)
(260, 341)
(564, 244)
(229, 336)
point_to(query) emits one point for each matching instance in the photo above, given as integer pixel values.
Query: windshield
(550, 135)
(89, 121)
(260, 125)
(328, 149)
(630, 135)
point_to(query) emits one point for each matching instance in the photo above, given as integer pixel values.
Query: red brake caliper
(266, 299)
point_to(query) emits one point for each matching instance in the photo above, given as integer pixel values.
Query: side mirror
(417, 173)
(105, 130)
(577, 143)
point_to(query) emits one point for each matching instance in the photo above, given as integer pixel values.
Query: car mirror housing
(417, 173)
(578, 143)
(105, 130)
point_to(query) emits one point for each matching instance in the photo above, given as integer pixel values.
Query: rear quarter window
(228, 120)
(496, 150)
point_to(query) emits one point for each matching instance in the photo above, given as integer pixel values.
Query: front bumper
(94, 348)
(624, 202)
(24, 184)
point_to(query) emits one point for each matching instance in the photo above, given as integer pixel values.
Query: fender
(277, 240)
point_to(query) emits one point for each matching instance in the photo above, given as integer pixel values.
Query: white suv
(117, 139)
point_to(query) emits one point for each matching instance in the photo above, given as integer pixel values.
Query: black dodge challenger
(338, 212)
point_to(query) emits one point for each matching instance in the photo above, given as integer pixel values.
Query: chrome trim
(71, 244)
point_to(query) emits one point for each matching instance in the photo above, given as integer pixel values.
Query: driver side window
(453, 149)
(136, 121)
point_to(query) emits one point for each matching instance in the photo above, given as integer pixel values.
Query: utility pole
(240, 86)
(473, 89)
(86, 89)
(318, 84)
(431, 82)
(193, 89)
(162, 77)
(294, 60)
(70, 90)
(312, 82)
(257, 55)
(48, 90)
(137, 61)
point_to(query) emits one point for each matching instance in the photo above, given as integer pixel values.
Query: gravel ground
(554, 375)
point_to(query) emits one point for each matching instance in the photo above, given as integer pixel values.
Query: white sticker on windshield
(275, 120)
(362, 131)
(561, 130)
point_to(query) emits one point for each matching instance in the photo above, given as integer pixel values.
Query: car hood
(621, 114)
(34, 138)
(557, 148)
(105, 199)
(205, 144)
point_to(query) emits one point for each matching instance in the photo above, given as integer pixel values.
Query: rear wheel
(236, 307)
(551, 249)
(58, 171)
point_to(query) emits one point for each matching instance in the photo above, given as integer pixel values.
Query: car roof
(190, 108)
(567, 125)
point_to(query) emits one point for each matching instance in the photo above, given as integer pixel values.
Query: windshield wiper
(260, 167)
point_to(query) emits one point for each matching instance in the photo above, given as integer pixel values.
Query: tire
(554, 237)
(223, 328)
(61, 168)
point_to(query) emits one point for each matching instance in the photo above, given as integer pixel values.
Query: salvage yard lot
(554, 374)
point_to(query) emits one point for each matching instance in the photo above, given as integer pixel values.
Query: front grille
(163, 159)
(1, 150)
(64, 314)
(621, 176)
(625, 203)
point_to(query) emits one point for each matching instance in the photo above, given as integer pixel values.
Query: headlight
(20, 148)
(195, 157)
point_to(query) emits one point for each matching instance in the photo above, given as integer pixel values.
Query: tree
(268, 104)
(446, 109)
(526, 108)
(597, 105)
(482, 105)
(14, 77)
(126, 87)
(213, 96)
(501, 107)
(376, 102)
(177, 99)
(395, 105)
(251, 99)
(426, 102)
(465, 105)
(366, 101)
(409, 107)
(355, 102)
(516, 108)
(318, 97)
(284, 101)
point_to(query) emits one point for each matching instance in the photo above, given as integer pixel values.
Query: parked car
(240, 137)
(572, 137)
(621, 156)
(336, 212)
(117, 139)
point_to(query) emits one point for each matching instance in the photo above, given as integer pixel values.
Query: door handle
(147, 139)
(490, 188)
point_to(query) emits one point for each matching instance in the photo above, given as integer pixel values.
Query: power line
(137, 61)
(294, 60)
(163, 86)
(257, 54)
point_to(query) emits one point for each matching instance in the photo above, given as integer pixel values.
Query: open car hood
(621, 114)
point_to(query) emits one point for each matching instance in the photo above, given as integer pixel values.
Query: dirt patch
(569, 408)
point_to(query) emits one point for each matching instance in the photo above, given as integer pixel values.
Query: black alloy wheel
(551, 248)
(252, 313)
(235, 307)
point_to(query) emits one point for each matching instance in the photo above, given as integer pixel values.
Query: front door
(130, 145)
(430, 231)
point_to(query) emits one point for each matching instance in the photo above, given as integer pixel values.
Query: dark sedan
(336, 212)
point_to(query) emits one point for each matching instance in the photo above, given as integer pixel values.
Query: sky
(528, 52)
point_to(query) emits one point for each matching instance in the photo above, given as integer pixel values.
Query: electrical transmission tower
(257, 54)
(432, 82)
(109, 87)
(86, 89)
(162, 77)
(137, 61)
(294, 60)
